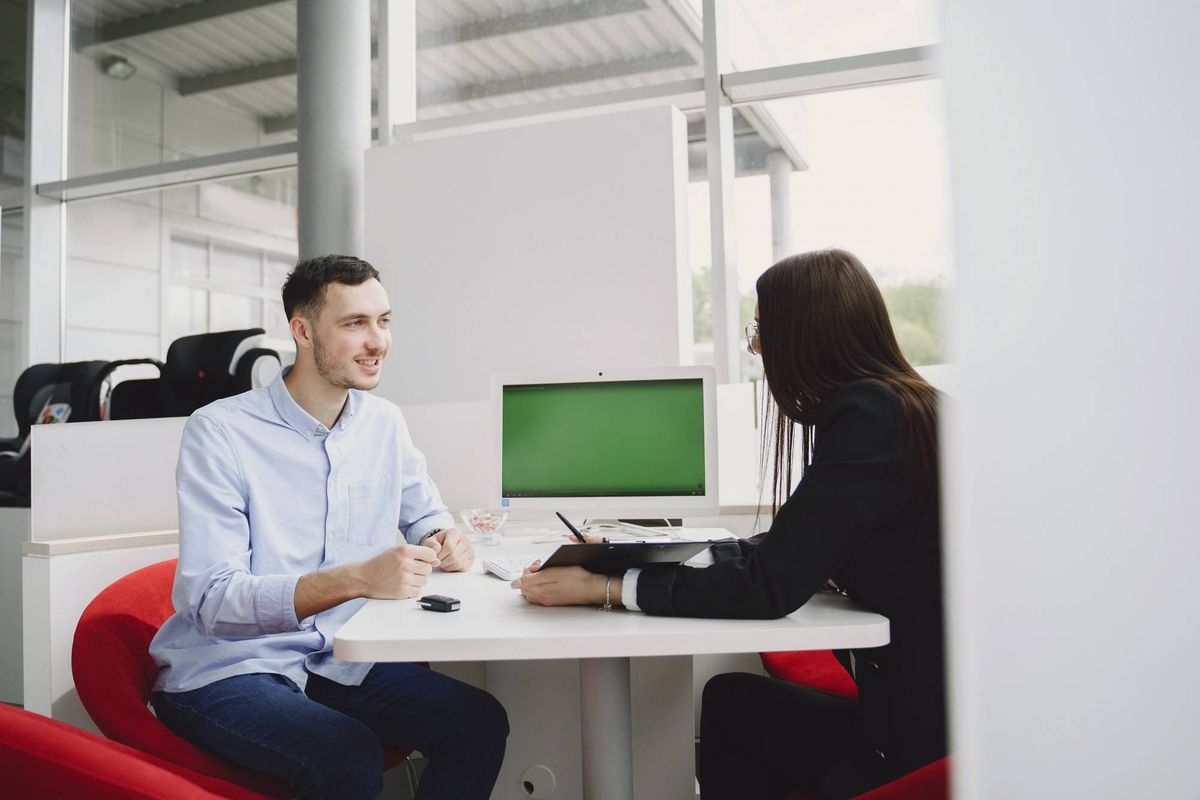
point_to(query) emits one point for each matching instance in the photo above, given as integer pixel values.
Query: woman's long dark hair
(822, 325)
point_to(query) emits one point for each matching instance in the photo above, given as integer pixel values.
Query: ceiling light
(118, 67)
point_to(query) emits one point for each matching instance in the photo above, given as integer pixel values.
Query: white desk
(496, 623)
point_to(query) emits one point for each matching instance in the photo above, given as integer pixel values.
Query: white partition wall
(103, 478)
(103, 506)
(1074, 449)
(560, 245)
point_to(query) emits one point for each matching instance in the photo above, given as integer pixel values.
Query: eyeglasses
(753, 343)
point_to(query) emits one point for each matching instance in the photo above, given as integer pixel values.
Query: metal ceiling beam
(152, 177)
(560, 77)
(528, 83)
(237, 77)
(456, 34)
(167, 18)
(528, 21)
(835, 74)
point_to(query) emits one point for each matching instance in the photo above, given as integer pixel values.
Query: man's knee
(496, 717)
(479, 718)
(486, 715)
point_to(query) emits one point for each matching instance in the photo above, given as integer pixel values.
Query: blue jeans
(327, 741)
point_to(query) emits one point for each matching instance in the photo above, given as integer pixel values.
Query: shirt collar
(300, 420)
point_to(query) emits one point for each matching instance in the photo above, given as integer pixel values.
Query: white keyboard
(507, 568)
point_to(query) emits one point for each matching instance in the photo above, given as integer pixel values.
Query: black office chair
(199, 369)
(75, 384)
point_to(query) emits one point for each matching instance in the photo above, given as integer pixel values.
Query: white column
(718, 124)
(334, 52)
(607, 728)
(397, 65)
(40, 282)
(779, 171)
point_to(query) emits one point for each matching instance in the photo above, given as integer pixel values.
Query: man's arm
(213, 583)
(397, 572)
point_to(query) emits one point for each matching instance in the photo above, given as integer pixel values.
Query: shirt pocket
(371, 521)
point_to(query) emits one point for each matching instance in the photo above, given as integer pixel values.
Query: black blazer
(855, 520)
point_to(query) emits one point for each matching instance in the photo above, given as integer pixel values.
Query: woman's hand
(565, 586)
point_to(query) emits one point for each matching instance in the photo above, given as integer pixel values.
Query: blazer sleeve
(851, 490)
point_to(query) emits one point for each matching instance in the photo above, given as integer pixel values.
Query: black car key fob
(439, 602)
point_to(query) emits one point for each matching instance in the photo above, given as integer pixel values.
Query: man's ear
(301, 331)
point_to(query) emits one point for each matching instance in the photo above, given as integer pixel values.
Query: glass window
(233, 311)
(234, 265)
(876, 184)
(189, 258)
(275, 323)
(277, 272)
(151, 83)
(13, 26)
(12, 254)
(768, 33)
(863, 170)
(187, 311)
(145, 269)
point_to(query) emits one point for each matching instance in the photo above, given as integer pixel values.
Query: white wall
(1072, 448)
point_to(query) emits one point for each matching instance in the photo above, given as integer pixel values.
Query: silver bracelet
(607, 595)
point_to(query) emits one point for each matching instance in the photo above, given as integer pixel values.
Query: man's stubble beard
(327, 368)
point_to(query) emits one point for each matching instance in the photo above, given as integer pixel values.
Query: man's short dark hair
(304, 289)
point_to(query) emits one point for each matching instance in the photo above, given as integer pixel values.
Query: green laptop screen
(604, 439)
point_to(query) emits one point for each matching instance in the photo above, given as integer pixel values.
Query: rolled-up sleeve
(213, 582)
(421, 506)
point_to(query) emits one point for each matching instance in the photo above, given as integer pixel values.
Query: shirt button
(881, 754)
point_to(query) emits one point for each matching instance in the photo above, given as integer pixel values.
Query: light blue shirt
(268, 494)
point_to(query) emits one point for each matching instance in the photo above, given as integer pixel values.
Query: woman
(864, 518)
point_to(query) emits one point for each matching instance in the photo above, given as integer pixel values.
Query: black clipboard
(613, 558)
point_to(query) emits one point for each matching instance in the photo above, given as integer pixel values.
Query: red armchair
(817, 669)
(820, 670)
(114, 676)
(42, 757)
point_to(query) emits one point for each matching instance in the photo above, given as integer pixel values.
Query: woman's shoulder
(863, 414)
(866, 395)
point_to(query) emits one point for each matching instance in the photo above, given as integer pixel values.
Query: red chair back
(42, 757)
(817, 669)
(114, 675)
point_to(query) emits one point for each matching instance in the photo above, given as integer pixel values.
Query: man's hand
(397, 572)
(565, 586)
(453, 548)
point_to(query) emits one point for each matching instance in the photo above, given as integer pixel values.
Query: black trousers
(761, 738)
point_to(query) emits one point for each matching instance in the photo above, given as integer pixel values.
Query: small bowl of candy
(484, 523)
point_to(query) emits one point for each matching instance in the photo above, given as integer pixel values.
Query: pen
(574, 530)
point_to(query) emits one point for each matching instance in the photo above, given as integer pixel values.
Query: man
(290, 499)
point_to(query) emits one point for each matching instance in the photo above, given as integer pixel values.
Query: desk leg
(607, 728)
